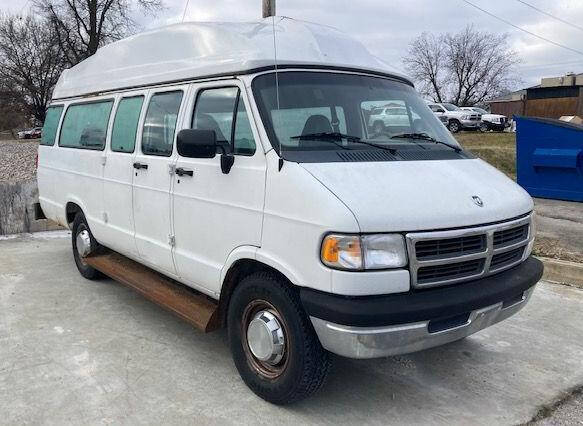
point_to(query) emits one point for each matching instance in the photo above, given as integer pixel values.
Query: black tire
(484, 127)
(305, 364)
(454, 126)
(79, 225)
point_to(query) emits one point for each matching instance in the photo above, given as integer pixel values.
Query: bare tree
(14, 112)
(426, 63)
(82, 26)
(466, 68)
(30, 62)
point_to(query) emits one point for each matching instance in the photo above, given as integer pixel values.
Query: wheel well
(454, 119)
(71, 211)
(239, 270)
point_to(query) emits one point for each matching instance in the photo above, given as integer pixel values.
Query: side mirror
(197, 143)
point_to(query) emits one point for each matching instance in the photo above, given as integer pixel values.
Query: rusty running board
(193, 307)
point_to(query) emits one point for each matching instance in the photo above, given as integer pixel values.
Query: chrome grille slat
(447, 257)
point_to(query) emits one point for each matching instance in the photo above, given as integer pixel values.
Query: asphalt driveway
(79, 352)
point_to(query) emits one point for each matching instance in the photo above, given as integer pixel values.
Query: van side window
(160, 123)
(243, 140)
(125, 124)
(215, 110)
(52, 119)
(85, 125)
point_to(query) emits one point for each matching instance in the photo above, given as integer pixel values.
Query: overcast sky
(387, 26)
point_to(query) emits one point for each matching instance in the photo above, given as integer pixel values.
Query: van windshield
(321, 111)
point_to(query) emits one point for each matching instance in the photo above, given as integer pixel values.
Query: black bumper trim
(422, 305)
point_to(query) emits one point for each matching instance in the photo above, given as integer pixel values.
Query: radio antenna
(276, 81)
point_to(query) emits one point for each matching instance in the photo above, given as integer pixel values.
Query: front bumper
(377, 326)
(470, 123)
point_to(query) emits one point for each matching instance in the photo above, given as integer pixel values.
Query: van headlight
(362, 252)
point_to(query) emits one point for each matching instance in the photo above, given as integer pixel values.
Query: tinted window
(85, 125)
(125, 124)
(160, 123)
(303, 112)
(49, 130)
(243, 141)
(215, 110)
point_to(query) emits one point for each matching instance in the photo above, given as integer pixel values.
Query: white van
(258, 185)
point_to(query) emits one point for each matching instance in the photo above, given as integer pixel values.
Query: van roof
(197, 50)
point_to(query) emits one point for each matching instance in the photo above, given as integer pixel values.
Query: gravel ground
(17, 160)
(566, 412)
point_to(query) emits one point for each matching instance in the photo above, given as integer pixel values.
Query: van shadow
(409, 387)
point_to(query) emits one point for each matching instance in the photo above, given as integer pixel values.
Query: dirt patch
(549, 247)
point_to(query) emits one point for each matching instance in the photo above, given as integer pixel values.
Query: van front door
(214, 213)
(153, 181)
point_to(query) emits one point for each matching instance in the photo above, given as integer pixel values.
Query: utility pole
(268, 8)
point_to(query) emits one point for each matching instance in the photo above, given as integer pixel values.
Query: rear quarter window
(85, 125)
(49, 130)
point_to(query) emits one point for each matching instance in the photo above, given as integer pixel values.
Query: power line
(579, 52)
(551, 16)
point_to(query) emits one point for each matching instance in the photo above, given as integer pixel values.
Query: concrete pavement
(79, 352)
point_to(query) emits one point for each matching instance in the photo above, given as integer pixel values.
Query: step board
(191, 306)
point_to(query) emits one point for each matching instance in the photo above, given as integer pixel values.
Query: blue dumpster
(549, 158)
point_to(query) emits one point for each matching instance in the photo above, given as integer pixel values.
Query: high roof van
(236, 166)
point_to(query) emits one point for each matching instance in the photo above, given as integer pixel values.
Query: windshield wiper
(426, 137)
(331, 136)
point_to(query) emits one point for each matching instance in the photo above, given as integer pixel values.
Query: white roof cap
(204, 49)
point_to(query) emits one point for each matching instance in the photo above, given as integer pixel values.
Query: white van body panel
(118, 176)
(445, 190)
(214, 213)
(191, 50)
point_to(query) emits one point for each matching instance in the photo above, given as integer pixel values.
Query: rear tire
(80, 226)
(484, 127)
(297, 365)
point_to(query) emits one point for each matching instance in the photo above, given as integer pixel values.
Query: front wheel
(274, 346)
(454, 126)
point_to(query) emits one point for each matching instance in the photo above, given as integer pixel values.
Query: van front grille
(510, 236)
(450, 247)
(447, 257)
(506, 258)
(449, 271)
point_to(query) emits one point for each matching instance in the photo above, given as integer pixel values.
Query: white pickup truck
(495, 122)
(457, 119)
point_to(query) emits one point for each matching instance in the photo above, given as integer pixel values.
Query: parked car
(385, 118)
(495, 122)
(30, 133)
(257, 198)
(457, 119)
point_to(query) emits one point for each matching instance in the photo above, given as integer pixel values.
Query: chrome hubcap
(265, 338)
(83, 243)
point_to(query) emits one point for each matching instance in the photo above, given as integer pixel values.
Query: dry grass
(549, 247)
(498, 149)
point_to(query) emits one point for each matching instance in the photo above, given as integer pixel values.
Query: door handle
(140, 166)
(184, 172)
